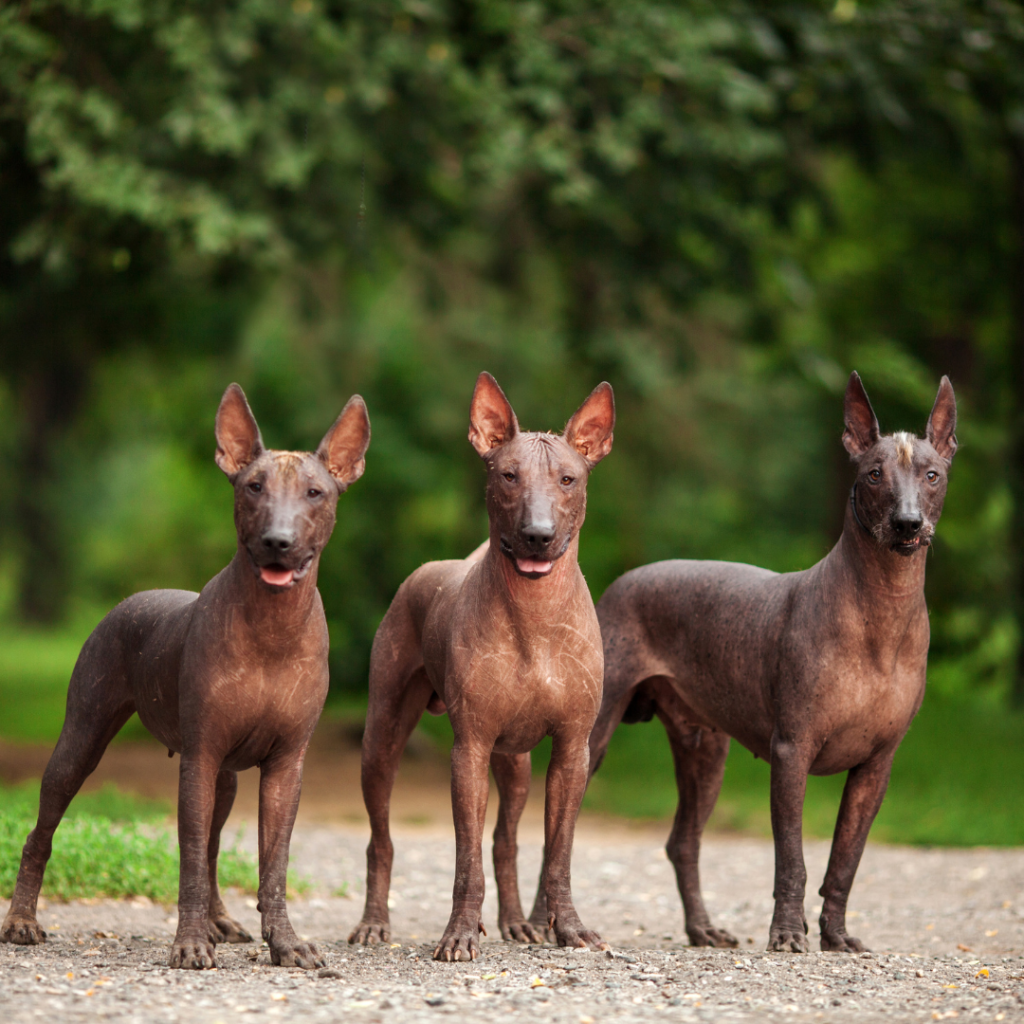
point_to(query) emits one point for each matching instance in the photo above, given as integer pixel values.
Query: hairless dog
(816, 672)
(232, 677)
(507, 642)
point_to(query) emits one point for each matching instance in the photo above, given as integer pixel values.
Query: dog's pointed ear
(941, 429)
(238, 436)
(589, 430)
(343, 448)
(491, 420)
(859, 418)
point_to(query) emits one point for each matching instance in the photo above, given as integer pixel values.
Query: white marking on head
(904, 448)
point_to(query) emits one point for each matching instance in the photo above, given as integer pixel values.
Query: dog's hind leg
(99, 703)
(699, 756)
(223, 927)
(512, 776)
(390, 720)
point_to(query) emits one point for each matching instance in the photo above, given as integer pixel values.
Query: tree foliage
(722, 208)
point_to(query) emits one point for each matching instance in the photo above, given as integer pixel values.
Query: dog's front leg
(197, 786)
(280, 784)
(862, 796)
(469, 805)
(566, 783)
(512, 776)
(790, 763)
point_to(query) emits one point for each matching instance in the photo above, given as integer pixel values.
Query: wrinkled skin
(816, 672)
(507, 642)
(229, 678)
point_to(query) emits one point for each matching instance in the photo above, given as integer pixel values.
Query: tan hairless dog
(233, 677)
(507, 642)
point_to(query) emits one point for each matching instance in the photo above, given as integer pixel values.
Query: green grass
(35, 666)
(114, 844)
(955, 781)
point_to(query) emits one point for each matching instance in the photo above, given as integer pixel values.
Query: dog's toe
(300, 954)
(196, 956)
(841, 943)
(368, 933)
(521, 931)
(459, 941)
(717, 938)
(227, 929)
(787, 941)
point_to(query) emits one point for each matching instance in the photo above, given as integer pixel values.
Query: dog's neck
(875, 570)
(276, 619)
(541, 600)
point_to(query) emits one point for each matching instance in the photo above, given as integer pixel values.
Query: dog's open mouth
(531, 568)
(276, 575)
(279, 576)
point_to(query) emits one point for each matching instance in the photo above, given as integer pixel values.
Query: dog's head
(285, 501)
(901, 479)
(537, 483)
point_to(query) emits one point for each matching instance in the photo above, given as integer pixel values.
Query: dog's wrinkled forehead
(544, 451)
(904, 449)
(287, 468)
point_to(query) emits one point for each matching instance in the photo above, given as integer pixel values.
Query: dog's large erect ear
(491, 420)
(238, 436)
(861, 424)
(590, 429)
(343, 448)
(941, 428)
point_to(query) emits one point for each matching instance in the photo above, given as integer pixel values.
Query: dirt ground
(946, 927)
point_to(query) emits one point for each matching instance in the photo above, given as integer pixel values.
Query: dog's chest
(524, 689)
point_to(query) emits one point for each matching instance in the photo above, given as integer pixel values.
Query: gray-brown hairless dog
(232, 677)
(816, 672)
(507, 642)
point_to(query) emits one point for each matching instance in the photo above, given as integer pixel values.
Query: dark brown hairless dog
(507, 642)
(816, 672)
(233, 677)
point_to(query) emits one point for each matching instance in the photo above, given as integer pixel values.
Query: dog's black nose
(538, 533)
(907, 526)
(278, 541)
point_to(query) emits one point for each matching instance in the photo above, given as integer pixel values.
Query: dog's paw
(788, 940)
(569, 931)
(520, 931)
(839, 942)
(22, 930)
(540, 928)
(833, 935)
(227, 929)
(706, 935)
(296, 954)
(196, 956)
(369, 933)
(459, 941)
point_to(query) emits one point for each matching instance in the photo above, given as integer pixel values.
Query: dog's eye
(875, 475)
(932, 476)
(254, 487)
(313, 493)
(566, 480)
(510, 477)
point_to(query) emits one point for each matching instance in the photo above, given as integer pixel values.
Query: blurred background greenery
(721, 208)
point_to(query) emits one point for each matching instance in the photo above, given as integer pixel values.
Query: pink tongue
(277, 577)
(528, 565)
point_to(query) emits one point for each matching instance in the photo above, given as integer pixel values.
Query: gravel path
(947, 928)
